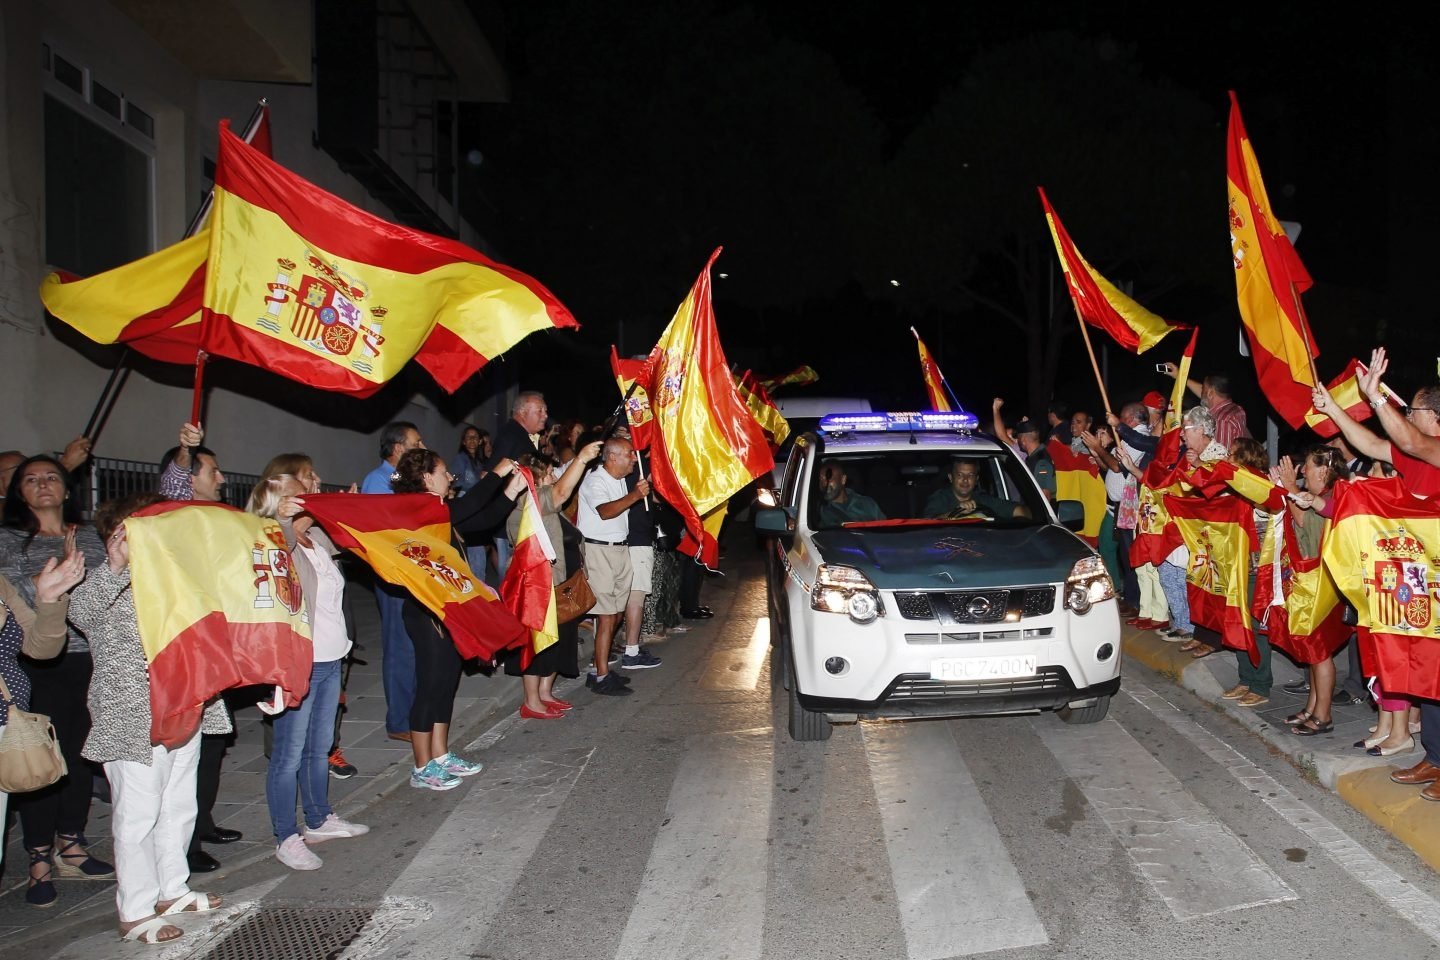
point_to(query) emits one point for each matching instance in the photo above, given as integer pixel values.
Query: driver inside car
(963, 498)
(843, 505)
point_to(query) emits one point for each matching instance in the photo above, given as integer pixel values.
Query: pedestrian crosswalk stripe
(957, 890)
(1178, 844)
(738, 668)
(703, 893)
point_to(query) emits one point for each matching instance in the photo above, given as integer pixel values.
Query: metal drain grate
(291, 933)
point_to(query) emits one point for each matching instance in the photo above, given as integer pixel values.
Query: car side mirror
(1071, 514)
(774, 522)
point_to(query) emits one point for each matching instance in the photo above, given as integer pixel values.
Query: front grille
(976, 606)
(920, 687)
(981, 636)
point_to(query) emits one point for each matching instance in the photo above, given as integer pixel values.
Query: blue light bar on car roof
(957, 420)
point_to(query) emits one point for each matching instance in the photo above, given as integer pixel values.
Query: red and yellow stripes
(1220, 535)
(934, 379)
(528, 588)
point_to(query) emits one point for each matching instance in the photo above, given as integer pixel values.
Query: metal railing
(107, 478)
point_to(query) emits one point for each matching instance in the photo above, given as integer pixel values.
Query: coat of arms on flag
(1400, 584)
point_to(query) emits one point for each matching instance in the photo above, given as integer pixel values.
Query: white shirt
(599, 487)
(327, 617)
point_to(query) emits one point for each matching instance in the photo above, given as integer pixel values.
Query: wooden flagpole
(1094, 364)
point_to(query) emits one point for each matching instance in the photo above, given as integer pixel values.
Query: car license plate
(971, 669)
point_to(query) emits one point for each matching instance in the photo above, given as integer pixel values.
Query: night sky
(638, 139)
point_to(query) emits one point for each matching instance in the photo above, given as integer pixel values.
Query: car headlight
(845, 590)
(1087, 585)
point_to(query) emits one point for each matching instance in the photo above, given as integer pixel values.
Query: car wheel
(1091, 714)
(806, 725)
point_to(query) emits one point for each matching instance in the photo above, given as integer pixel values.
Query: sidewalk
(383, 766)
(1363, 781)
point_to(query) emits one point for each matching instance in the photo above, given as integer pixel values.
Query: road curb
(1361, 781)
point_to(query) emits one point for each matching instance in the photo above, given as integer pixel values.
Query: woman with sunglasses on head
(41, 523)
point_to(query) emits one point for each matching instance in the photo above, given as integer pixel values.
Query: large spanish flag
(1269, 279)
(1383, 549)
(763, 409)
(1296, 598)
(707, 445)
(1078, 478)
(405, 538)
(528, 588)
(633, 378)
(1220, 535)
(934, 379)
(218, 605)
(1098, 301)
(1222, 477)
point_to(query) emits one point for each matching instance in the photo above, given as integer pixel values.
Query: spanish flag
(707, 445)
(528, 588)
(1225, 477)
(1296, 598)
(801, 376)
(633, 378)
(1167, 453)
(934, 379)
(1269, 279)
(300, 282)
(1220, 535)
(1155, 534)
(1078, 478)
(1098, 301)
(1383, 549)
(405, 538)
(762, 408)
(1345, 390)
(218, 606)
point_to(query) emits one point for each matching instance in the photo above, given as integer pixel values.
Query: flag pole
(1305, 333)
(96, 420)
(613, 421)
(1089, 348)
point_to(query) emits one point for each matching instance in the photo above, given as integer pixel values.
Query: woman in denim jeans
(303, 735)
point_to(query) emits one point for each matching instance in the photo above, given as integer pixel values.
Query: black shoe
(1342, 698)
(699, 613)
(202, 862)
(591, 679)
(1298, 686)
(610, 686)
(221, 835)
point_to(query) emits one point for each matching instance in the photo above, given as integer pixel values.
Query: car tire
(1091, 714)
(806, 726)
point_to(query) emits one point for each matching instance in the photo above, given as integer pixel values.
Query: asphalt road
(681, 822)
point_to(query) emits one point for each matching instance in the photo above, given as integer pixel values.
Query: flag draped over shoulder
(405, 538)
(801, 376)
(1383, 549)
(1220, 535)
(706, 445)
(1078, 478)
(633, 379)
(218, 606)
(1269, 279)
(528, 589)
(1345, 391)
(1098, 301)
(934, 379)
(1296, 598)
(763, 409)
(297, 281)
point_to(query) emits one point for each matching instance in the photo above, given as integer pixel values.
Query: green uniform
(856, 507)
(944, 504)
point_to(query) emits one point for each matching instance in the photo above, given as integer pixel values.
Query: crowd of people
(1401, 440)
(70, 643)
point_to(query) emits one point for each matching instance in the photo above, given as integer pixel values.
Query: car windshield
(901, 488)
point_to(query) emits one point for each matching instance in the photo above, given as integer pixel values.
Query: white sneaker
(333, 828)
(296, 855)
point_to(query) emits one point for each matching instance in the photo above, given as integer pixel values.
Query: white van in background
(803, 413)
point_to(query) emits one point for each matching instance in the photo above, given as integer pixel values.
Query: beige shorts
(608, 570)
(642, 568)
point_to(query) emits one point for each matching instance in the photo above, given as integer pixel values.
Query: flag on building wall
(218, 606)
(1296, 599)
(1078, 478)
(1098, 301)
(1383, 549)
(405, 538)
(528, 589)
(706, 445)
(1220, 536)
(1269, 279)
(934, 379)
(763, 409)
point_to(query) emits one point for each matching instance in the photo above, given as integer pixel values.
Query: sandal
(1190, 644)
(1297, 717)
(191, 902)
(150, 930)
(1202, 651)
(41, 891)
(88, 865)
(1313, 728)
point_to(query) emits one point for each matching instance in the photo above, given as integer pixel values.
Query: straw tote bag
(29, 753)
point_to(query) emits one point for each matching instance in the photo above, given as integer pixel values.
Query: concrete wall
(52, 377)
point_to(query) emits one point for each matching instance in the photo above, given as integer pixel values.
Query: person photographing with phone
(1214, 393)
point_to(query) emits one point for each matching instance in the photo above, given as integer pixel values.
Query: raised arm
(570, 479)
(1402, 432)
(1361, 439)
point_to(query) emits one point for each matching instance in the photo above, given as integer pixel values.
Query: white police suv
(916, 570)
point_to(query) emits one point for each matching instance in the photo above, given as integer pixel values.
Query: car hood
(965, 555)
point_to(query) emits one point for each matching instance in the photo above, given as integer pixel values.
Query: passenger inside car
(842, 504)
(963, 497)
